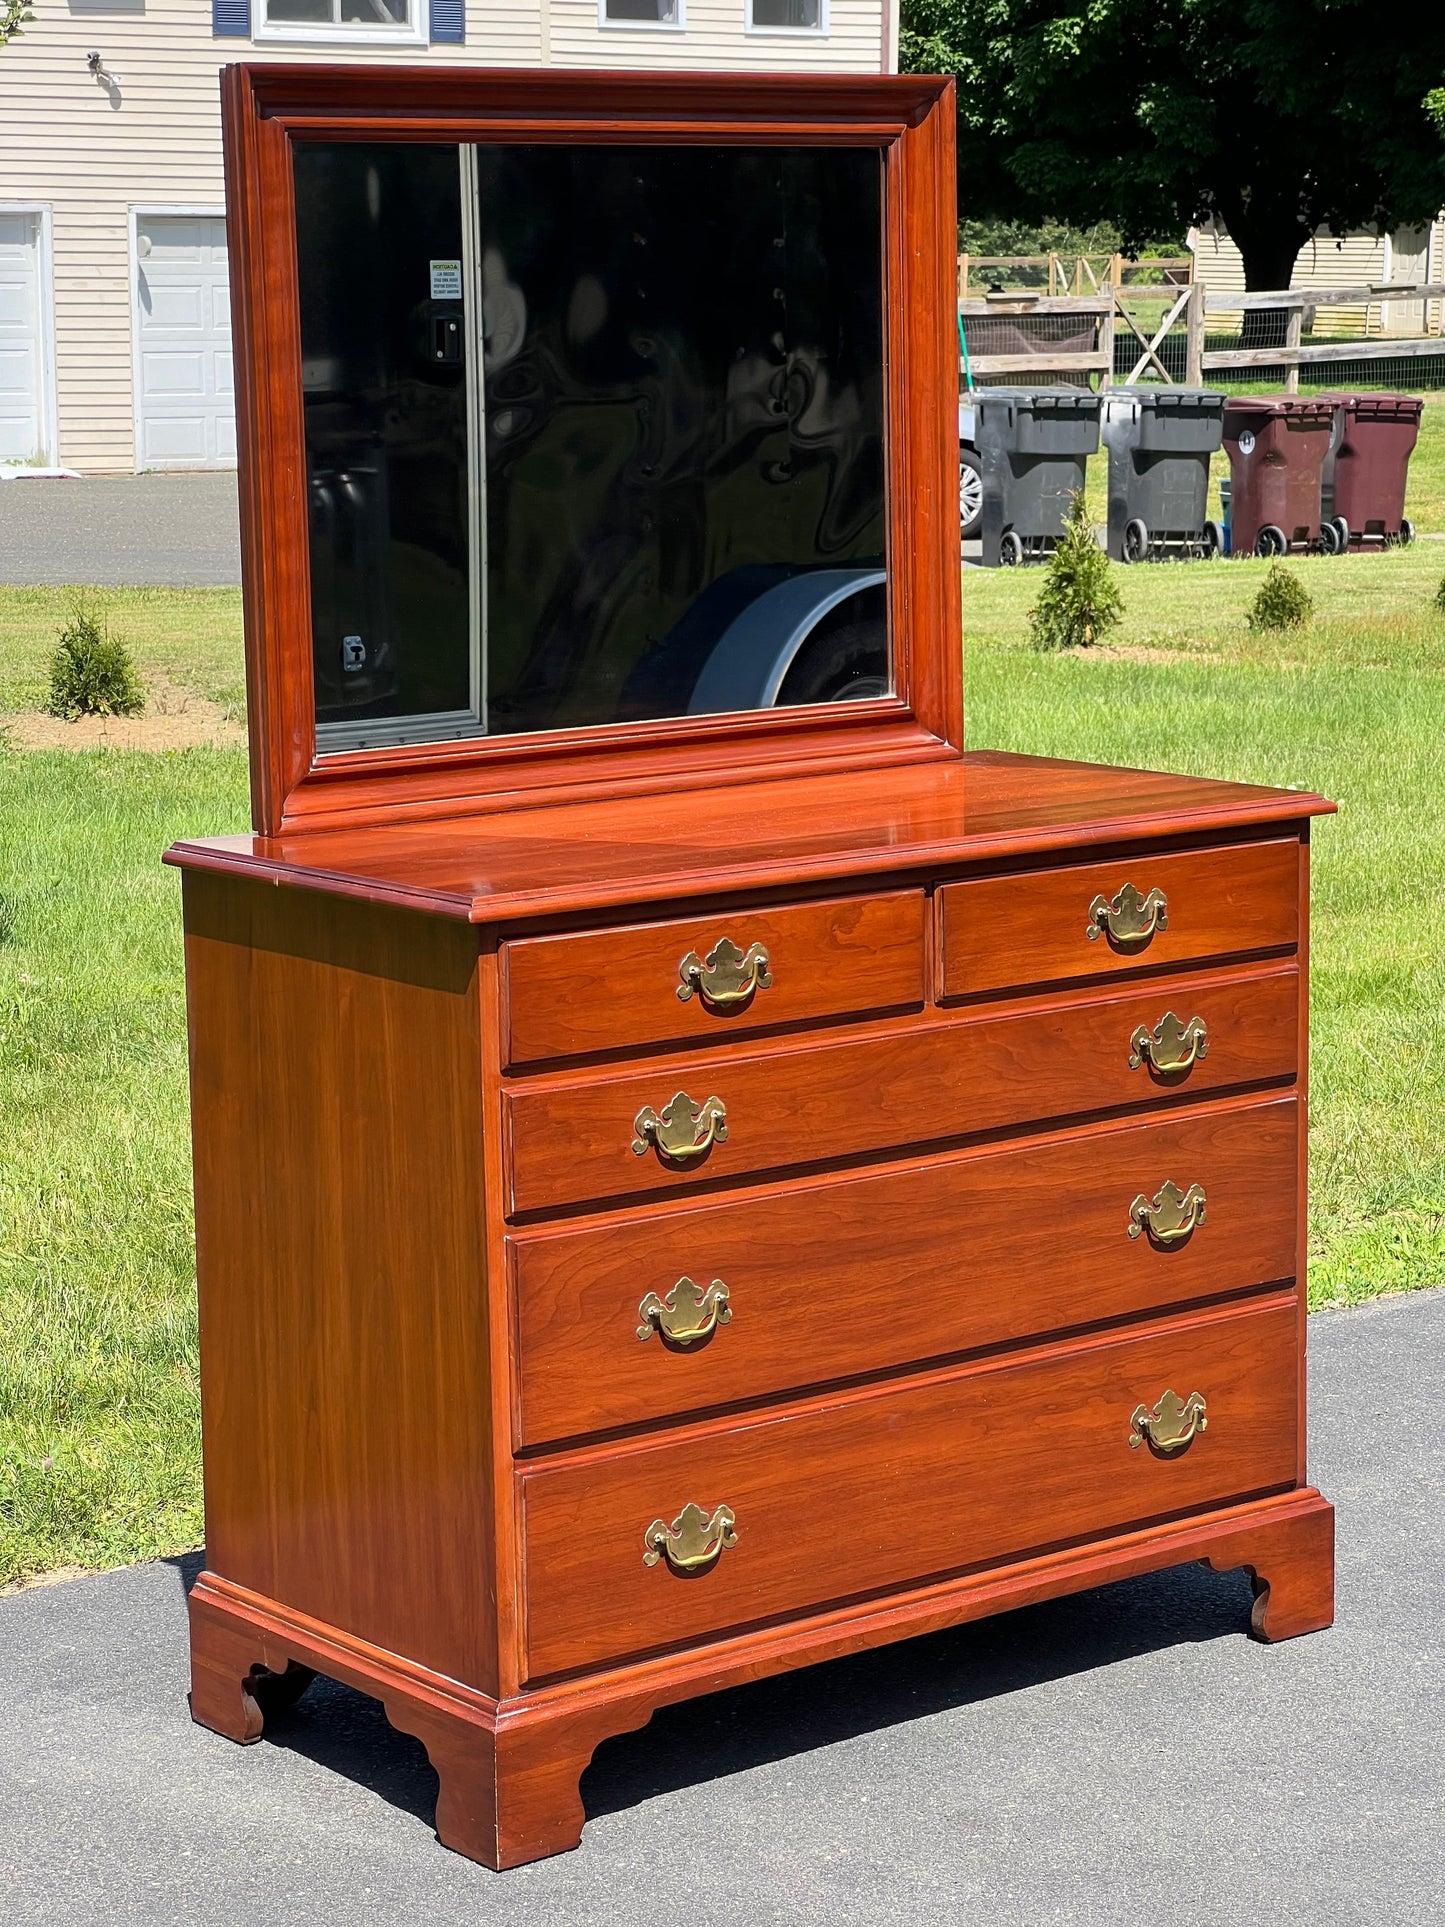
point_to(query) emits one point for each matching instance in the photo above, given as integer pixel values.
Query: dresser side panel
(337, 1124)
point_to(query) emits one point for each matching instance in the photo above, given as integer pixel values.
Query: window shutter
(231, 19)
(448, 21)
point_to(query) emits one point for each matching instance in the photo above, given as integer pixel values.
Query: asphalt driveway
(178, 531)
(1126, 1756)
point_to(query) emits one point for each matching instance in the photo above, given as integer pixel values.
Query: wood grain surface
(910, 1083)
(896, 1485)
(1008, 932)
(608, 990)
(869, 1273)
(345, 1385)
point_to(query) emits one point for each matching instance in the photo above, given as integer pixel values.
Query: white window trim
(311, 33)
(45, 268)
(820, 32)
(135, 215)
(642, 26)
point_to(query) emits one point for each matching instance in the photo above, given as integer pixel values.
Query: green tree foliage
(92, 672)
(13, 15)
(1283, 601)
(1079, 601)
(1276, 116)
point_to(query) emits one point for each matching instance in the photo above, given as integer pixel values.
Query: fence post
(963, 277)
(1106, 343)
(1194, 336)
(1294, 327)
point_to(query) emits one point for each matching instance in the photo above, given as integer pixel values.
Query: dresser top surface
(572, 858)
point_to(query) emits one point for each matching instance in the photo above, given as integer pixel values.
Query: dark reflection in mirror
(671, 499)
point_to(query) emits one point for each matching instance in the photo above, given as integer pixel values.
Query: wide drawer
(572, 1139)
(624, 989)
(1000, 933)
(896, 1485)
(622, 1322)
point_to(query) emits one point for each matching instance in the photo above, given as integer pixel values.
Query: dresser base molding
(509, 1770)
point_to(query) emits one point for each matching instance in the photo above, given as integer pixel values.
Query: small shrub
(91, 673)
(1079, 600)
(1283, 601)
(1440, 592)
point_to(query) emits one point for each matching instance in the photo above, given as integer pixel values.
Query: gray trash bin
(1159, 442)
(1033, 444)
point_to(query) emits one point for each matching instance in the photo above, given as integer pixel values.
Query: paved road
(1125, 1756)
(176, 530)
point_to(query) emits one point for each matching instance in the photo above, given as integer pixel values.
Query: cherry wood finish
(617, 989)
(626, 852)
(267, 109)
(864, 1274)
(978, 1465)
(957, 1075)
(999, 933)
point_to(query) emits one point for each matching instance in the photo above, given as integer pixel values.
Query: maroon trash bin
(1276, 446)
(1363, 487)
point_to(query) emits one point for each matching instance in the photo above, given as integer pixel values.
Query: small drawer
(624, 1322)
(903, 1483)
(1096, 919)
(689, 1121)
(706, 978)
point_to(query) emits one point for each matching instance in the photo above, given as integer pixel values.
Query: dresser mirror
(589, 433)
(594, 434)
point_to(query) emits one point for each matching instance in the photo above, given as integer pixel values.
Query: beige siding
(93, 155)
(1330, 261)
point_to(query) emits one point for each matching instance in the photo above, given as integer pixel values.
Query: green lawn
(99, 1456)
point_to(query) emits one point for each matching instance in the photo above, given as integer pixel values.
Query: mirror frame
(265, 109)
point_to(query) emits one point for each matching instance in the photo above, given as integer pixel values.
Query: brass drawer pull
(1171, 1047)
(687, 1315)
(1130, 920)
(1170, 1426)
(693, 1541)
(730, 977)
(1171, 1217)
(682, 1130)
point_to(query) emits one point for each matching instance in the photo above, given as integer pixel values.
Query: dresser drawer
(868, 1273)
(1001, 933)
(572, 1140)
(901, 1484)
(711, 977)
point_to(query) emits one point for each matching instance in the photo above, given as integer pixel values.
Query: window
(787, 16)
(363, 19)
(640, 13)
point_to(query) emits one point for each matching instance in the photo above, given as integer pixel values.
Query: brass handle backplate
(1170, 1047)
(693, 1542)
(729, 979)
(682, 1130)
(1171, 1217)
(1170, 1426)
(687, 1315)
(1130, 920)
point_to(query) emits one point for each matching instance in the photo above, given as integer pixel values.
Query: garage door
(186, 410)
(22, 422)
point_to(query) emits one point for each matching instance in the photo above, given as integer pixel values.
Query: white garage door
(186, 409)
(22, 421)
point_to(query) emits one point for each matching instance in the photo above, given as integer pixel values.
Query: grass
(99, 1436)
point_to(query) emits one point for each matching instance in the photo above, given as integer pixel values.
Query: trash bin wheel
(1213, 539)
(1336, 536)
(1136, 541)
(1407, 533)
(1011, 549)
(970, 495)
(1271, 540)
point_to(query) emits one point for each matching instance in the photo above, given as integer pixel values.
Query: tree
(1277, 117)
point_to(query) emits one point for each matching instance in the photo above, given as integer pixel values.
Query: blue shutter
(231, 18)
(448, 21)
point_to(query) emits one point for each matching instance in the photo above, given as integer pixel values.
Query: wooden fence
(1075, 273)
(1001, 342)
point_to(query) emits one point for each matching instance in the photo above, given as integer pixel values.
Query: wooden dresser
(694, 1174)
(890, 1219)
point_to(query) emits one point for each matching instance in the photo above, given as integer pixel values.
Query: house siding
(92, 158)
(1343, 261)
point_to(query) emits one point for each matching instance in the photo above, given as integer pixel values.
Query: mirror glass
(593, 433)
